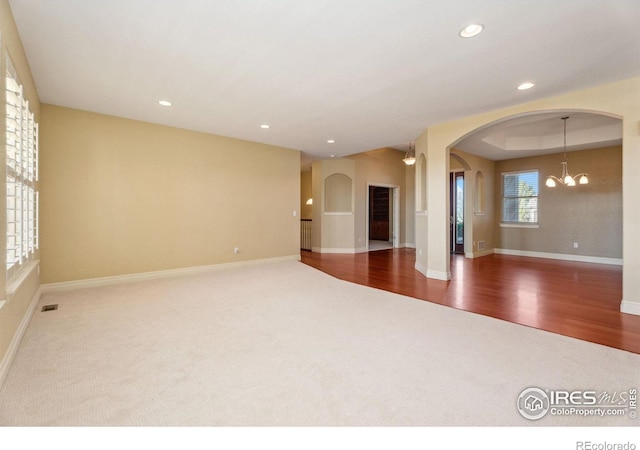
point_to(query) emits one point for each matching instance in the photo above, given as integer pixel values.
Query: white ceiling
(368, 74)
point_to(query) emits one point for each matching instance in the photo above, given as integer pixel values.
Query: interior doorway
(382, 218)
(456, 212)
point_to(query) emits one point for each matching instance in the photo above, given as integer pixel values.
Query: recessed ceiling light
(471, 30)
(525, 86)
(333, 156)
(331, 141)
(165, 103)
(265, 126)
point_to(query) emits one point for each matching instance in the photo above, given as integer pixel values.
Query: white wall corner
(629, 307)
(10, 354)
(420, 268)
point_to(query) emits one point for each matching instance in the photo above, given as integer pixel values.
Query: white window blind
(520, 197)
(22, 176)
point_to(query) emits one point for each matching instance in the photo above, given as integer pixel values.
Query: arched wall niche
(338, 196)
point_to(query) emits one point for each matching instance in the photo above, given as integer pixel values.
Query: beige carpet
(284, 344)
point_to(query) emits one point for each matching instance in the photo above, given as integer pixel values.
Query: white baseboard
(407, 245)
(435, 274)
(420, 268)
(5, 364)
(335, 250)
(630, 307)
(564, 257)
(439, 275)
(119, 279)
(361, 250)
(479, 254)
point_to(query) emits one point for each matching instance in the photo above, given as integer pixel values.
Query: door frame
(395, 212)
(454, 247)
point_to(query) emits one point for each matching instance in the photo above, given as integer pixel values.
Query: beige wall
(17, 304)
(120, 196)
(590, 215)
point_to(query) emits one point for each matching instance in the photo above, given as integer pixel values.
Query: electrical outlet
(236, 250)
(575, 245)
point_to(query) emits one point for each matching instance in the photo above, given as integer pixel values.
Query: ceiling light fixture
(525, 86)
(265, 126)
(165, 103)
(566, 179)
(410, 157)
(471, 30)
(331, 141)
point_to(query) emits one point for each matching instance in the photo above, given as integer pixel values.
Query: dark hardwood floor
(580, 300)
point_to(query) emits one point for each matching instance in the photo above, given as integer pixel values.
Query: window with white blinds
(520, 197)
(22, 176)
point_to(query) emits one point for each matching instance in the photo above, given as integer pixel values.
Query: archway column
(438, 239)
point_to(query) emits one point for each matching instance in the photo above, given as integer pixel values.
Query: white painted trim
(629, 307)
(338, 213)
(361, 250)
(10, 354)
(336, 250)
(421, 213)
(479, 253)
(22, 275)
(420, 268)
(518, 225)
(119, 279)
(439, 275)
(564, 257)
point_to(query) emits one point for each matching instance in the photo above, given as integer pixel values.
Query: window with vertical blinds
(520, 197)
(22, 175)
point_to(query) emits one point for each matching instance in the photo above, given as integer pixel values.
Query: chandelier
(410, 157)
(566, 179)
